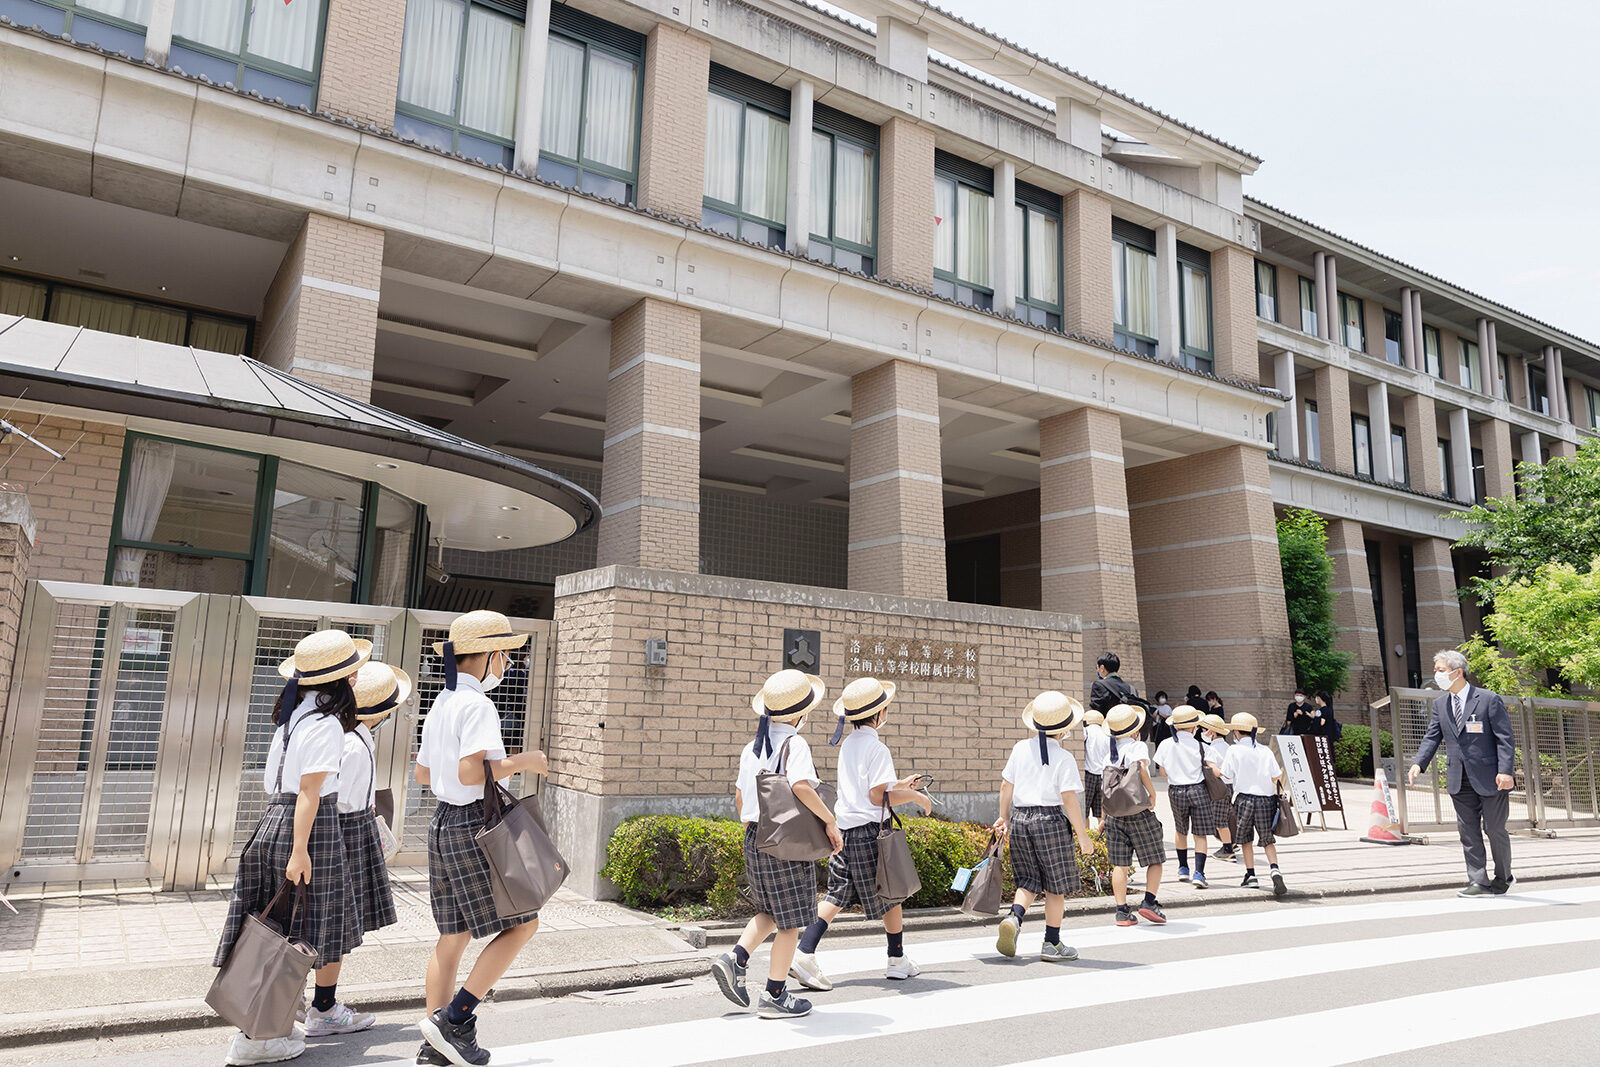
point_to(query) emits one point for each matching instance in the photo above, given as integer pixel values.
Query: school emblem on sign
(899, 657)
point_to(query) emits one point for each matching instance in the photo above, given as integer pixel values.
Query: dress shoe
(1475, 890)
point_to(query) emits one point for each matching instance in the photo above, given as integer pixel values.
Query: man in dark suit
(1108, 689)
(1481, 751)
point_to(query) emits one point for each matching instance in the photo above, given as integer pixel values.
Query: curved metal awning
(477, 498)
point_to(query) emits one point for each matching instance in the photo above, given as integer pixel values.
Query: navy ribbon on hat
(388, 702)
(291, 688)
(838, 731)
(763, 729)
(449, 649)
(1044, 747)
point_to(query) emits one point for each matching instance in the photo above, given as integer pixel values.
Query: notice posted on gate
(885, 657)
(1308, 766)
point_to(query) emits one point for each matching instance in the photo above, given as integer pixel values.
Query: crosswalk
(1515, 923)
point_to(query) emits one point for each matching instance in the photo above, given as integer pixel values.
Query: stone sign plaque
(802, 650)
(902, 658)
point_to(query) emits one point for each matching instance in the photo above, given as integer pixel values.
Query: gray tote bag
(898, 880)
(787, 829)
(260, 984)
(983, 892)
(1122, 791)
(525, 867)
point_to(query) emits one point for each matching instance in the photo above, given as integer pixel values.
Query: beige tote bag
(259, 985)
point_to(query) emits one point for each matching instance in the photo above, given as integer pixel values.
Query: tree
(1549, 622)
(1308, 596)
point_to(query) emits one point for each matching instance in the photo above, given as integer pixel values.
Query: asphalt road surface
(1415, 979)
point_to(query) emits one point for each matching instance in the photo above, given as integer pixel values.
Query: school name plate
(896, 658)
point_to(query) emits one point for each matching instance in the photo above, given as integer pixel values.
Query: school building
(704, 338)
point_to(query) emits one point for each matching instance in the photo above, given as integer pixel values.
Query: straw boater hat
(1093, 718)
(319, 658)
(1049, 713)
(476, 631)
(785, 697)
(1214, 722)
(1244, 723)
(380, 688)
(863, 698)
(1184, 717)
(1124, 721)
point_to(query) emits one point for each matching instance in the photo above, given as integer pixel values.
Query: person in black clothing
(1327, 725)
(1108, 689)
(1157, 729)
(1214, 703)
(1301, 717)
(1195, 700)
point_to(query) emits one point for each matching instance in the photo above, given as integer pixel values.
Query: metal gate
(139, 722)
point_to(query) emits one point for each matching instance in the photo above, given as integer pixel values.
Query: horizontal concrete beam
(1339, 497)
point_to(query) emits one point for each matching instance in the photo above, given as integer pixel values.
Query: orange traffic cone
(1386, 829)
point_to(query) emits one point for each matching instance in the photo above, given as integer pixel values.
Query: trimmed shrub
(1352, 753)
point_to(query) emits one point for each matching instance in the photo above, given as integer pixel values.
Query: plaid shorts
(1192, 810)
(1042, 860)
(1091, 793)
(1134, 835)
(1255, 813)
(459, 881)
(364, 865)
(783, 889)
(330, 920)
(853, 873)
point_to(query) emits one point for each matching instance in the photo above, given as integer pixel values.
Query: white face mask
(491, 679)
(1442, 679)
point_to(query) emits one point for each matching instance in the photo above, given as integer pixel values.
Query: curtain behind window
(1044, 258)
(854, 184)
(428, 58)
(563, 98)
(766, 165)
(611, 118)
(18, 296)
(286, 33)
(130, 10)
(724, 118)
(1140, 284)
(1196, 309)
(944, 232)
(216, 23)
(119, 315)
(218, 335)
(821, 183)
(149, 477)
(972, 236)
(1266, 295)
(489, 73)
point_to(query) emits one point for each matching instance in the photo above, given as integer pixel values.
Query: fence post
(1530, 765)
(1399, 758)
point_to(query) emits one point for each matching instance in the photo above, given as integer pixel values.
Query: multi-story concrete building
(877, 326)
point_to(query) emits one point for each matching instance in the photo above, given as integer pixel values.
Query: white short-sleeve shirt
(800, 767)
(1035, 784)
(1128, 752)
(1251, 768)
(355, 774)
(1180, 756)
(316, 746)
(1096, 748)
(864, 762)
(462, 721)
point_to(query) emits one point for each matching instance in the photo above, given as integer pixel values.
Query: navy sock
(324, 1000)
(1052, 935)
(1249, 871)
(811, 936)
(740, 956)
(775, 988)
(1274, 866)
(1200, 862)
(1019, 911)
(1149, 898)
(1183, 857)
(461, 1008)
(897, 943)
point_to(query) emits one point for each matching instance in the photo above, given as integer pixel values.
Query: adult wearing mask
(1327, 725)
(1301, 718)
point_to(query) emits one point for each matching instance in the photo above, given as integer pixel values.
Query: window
(1313, 434)
(747, 158)
(1399, 468)
(1538, 388)
(1361, 429)
(36, 298)
(1038, 256)
(1351, 322)
(1447, 473)
(111, 24)
(844, 190)
(1480, 483)
(1375, 583)
(589, 125)
(1505, 375)
(963, 204)
(458, 77)
(1308, 307)
(1194, 307)
(1266, 291)
(1408, 614)
(1471, 369)
(272, 48)
(1592, 396)
(1432, 362)
(1133, 287)
(1393, 327)
(1272, 430)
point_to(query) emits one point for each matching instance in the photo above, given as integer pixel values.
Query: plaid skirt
(1134, 835)
(459, 882)
(1091, 793)
(783, 889)
(1255, 813)
(363, 862)
(1042, 860)
(330, 920)
(853, 873)
(1192, 809)
(1223, 817)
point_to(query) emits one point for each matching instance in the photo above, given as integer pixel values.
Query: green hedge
(663, 861)
(1352, 753)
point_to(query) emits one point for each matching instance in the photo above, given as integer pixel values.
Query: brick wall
(672, 134)
(905, 202)
(361, 60)
(1330, 387)
(1233, 313)
(16, 546)
(896, 482)
(1438, 608)
(1422, 443)
(1086, 265)
(74, 499)
(1499, 461)
(1014, 519)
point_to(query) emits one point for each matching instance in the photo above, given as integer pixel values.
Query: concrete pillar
(1288, 422)
(903, 48)
(1331, 271)
(1439, 623)
(1353, 613)
(1004, 239)
(360, 72)
(1086, 265)
(1491, 355)
(158, 31)
(1499, 463)
(801, 100)
(320, 317)
(1422, 443)
(896, 482)
(17, 532)
(1415, 334)
(1563, 450)
(530, 91)
(672, 127)
(905, 203)
(1169, 343)
(1559, 384)
(1378, 417)
(650, 473)
(1205, 551)
(1331, 390)
(1487, 365)
(1552, 381)
(1078, 124)
(1531, 451)
(1233, 314)
(1461, 453)
(1319, 288)
(1085, 555)
(1577, 402)
(1410, 354)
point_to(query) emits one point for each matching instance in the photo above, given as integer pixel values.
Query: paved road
(1419, 979)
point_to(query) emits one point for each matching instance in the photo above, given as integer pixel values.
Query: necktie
(1455, 707)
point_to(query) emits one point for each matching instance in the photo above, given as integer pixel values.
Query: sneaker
(901, 967)
(300, 1012)
(1249, 882)
(272, 1050)
(428, 1055)
(804, 970)
(1279, 890)
(1200, 879)
(730, 978)
(1125, 916)
(1005, 941)
(339, 1019)
(456, 1042)
(1058, 953)
(1152, 912)
(1183, 874)
(787, 1006)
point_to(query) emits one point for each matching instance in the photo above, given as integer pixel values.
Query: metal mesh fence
(138, 706)
(65, 734)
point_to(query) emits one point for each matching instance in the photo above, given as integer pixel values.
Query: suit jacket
(1106, 693)
(1473, 757)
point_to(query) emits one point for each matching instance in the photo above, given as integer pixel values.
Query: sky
(1461, 138)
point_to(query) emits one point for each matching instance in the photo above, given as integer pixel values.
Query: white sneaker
(901, 967)
(300, 1012)
(804, 970)
(273, 1050)
(339, 1019)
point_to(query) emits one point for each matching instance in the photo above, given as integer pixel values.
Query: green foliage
(1549, 621)
(1352, 753)
(1308, 596)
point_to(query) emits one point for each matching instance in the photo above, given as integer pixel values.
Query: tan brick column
(650, 479)
(896, 482)
(1438, 609)
(1353, 611)
(1086, 558)
(1422, 443)
(1233, 314)
(1205, 554)
(1086, 265)
(905, 203)
(1563, 450)
(1499, 461)
(1330, 388)
(361, 60)
(16, 549)
(320, 317)
(672, 136)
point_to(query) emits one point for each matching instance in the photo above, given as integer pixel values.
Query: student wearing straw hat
(298, 838)
(785, 891)
(380, 689)
(868, 788)
(1214, 730)
(1254, 772)
(1096, 749)
(1139, 834)
(1038, 801)
(462, 730)
(1180, 758)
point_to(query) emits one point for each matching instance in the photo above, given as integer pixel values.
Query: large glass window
(1133, 296)
(38, 298)
(1308, 307)
(1361, 430)
(1399, 465)
(1592, 396)
(1471, 369)
(1352, 324)
(115, 25)
(1432, 360)
(1037, 260)
(271, 48)
(458, 78)
(1266, 291)
(1194, 305)
(1480, 482)
(1538, 387)
(1313, 434)
(962, 210)
(747, 168)
(844, 197)
(1393, 328)
(314, 547)
(589, 129)
(1447, 472)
